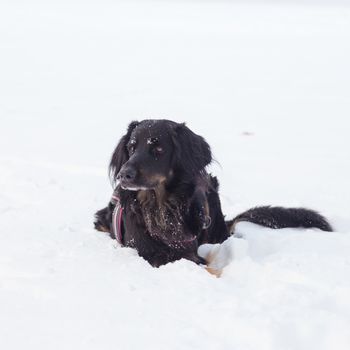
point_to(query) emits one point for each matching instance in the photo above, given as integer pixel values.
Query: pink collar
(117, 219)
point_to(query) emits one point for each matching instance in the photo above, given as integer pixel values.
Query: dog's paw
(100, 227)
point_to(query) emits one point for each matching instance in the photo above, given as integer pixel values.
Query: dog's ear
(192, 152)
(120, 154)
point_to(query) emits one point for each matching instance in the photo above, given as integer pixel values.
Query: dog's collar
(117, 219)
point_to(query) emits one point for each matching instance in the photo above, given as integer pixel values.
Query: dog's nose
(127, 174)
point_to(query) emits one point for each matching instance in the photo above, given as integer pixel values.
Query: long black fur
(165, 220)
(280, 217)
(171, 204)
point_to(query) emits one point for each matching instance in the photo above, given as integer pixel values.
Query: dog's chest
(164, 221)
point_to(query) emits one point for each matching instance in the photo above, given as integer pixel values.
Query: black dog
(166, 204)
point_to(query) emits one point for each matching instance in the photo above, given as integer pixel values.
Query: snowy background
(268, 86)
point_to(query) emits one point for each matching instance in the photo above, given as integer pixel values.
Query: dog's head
(154, 152)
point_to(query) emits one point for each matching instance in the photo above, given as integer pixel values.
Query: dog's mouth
(141, 184)
(130, 186)
(134, 188)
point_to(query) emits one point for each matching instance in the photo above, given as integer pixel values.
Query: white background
(267, 85)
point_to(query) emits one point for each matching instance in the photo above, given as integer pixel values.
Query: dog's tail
(279, 217)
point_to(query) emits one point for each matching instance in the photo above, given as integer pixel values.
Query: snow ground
(266, 84)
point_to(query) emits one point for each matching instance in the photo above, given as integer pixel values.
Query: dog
(165, 204)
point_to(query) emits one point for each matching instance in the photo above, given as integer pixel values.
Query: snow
(267, 85)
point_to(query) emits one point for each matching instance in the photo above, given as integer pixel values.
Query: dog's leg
(211, 268)
(104, 219)
(199, 215)
(210, 259)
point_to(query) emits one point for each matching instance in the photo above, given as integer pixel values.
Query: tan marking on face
(157, 179)
(161, 193)
(146, 196)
